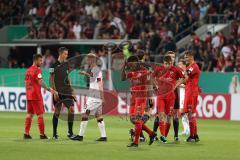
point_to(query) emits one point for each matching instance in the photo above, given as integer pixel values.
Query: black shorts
(176, 103)
(67, 100)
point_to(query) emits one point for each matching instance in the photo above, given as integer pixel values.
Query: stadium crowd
(154, 22)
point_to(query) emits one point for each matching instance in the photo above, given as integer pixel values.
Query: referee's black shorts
(176, 103)
(67, 100)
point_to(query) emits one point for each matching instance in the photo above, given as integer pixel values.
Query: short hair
(133, 59)
(188, 53)
(36, 57)
(167, 59)
(62, 49)
(171, 52)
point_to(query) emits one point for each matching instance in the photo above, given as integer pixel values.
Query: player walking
(34, 82)
(138, 111)
(95, 100)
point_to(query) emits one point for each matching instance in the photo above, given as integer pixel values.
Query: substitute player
(34, 82)
(95, 99)
(191, 94)
(138, 111)
(59, 81)
(165, 103)
(181, 93)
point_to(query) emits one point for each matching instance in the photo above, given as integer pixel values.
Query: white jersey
(94, 95)
(181, 93)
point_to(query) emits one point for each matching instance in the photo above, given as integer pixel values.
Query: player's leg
(69, 104)
(176, 116)
(55, 117)
(137, 130)
(39, 107)
(28, 123)
(28, 120)
(83, 126)
(185, 123)
(162, 119)
(101, 124)
(192, 119)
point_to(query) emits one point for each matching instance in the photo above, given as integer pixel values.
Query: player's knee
(88, 112)
(99, 120)
(85, 118)
(56, 115)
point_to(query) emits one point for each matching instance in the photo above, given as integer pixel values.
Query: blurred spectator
(48, 59)
(77, 29)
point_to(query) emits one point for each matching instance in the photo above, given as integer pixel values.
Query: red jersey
(172, 75)
(33, 88)
(193, 73)
(139, 79)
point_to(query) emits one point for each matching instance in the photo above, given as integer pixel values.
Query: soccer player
(34, 82)
(191, 94)
(181, 93)
(95, 99)
(59, 81)
(175, 109)
(138, 111)
(165, 103)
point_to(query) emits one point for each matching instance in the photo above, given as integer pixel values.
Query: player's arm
(43, 85)
(100, 84)
(123, 72)
(85, 73)
(52, 83)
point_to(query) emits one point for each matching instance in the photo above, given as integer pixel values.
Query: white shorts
(181, 93)
(95, 107)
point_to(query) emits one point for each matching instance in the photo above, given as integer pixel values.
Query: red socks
(193, 126)
(41, 125)
(28, 122)
(146, 129)
(138, 130)
(162, 127)
(168, 125)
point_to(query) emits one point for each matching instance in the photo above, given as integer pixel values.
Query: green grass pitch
(220, 140)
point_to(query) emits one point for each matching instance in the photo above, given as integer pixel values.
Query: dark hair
(170, 52)
(167, 59)
(132, 59)
(62, 49)
(188, 53)
(36, 57)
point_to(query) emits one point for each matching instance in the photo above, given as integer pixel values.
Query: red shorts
(137, 106)
(35, 107)
(164, 104)
(190, 103)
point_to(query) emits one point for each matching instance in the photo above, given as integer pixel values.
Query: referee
(60, 82)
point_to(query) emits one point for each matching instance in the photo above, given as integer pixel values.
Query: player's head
(167, 61)
(181, 64)
(188, 57)
(132, 62)
(172, 55)
(37, 60)
(63, 53)
(91, 59)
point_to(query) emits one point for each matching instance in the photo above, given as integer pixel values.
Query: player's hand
(53, 91)
(171, 111)
(74, 98)
(55, 97)
(145, 118)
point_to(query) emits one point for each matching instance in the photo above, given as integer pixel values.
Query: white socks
(101, 126)
(185, 123)
(83, 126)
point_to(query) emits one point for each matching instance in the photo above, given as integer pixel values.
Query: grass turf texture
(219, 141)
